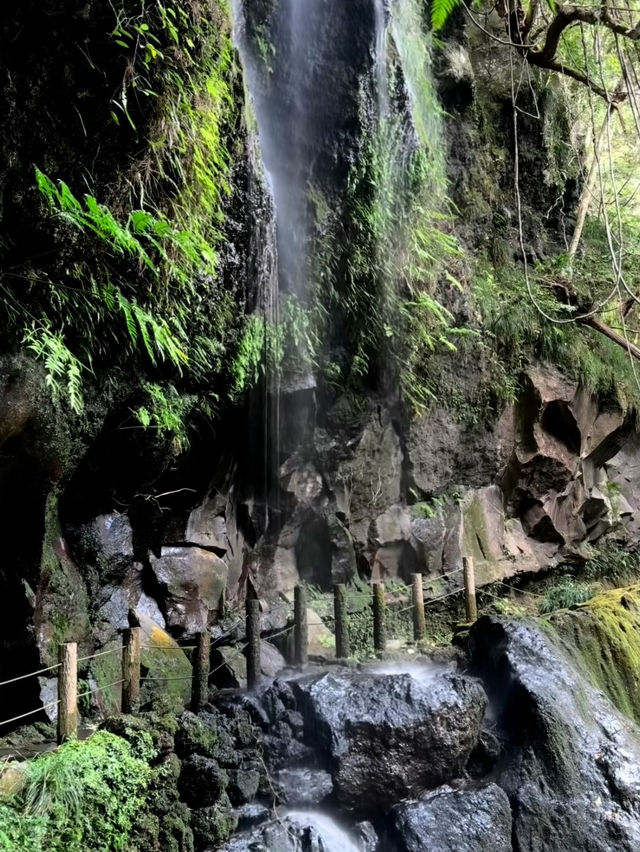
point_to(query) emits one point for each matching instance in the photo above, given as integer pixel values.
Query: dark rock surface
(304, 786)
(572, 772)
(388, 737)
(474, 819)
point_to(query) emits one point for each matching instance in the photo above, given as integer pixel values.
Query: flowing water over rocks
(512, 750)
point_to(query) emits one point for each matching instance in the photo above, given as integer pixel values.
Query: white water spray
(334, 838)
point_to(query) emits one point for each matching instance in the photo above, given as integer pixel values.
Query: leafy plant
(566, 593)
(84, 797)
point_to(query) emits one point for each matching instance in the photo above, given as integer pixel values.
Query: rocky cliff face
(119, 517)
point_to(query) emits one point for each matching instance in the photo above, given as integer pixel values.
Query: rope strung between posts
(30, 713)
(31, 674)
(100, 688)
(442, 597)
(100, 654)
(520, 591)
(225, 662)
(163, 679)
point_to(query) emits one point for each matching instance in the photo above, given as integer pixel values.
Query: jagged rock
(271, 660)
(213, 825)
(366, 837)
(243, 784)
(476, 819)
(304, 786)
(196, 734)
(229, 666)
(573, 773)
(371, 479)
(201, 781)
(343, 555)
(114, 535)
(207, 525)
(391, 736)
(302, 481)
(195, 581)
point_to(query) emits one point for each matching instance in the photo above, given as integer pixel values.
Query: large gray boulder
(474, 819)
(572, 772)
(386, 737)
(193, 581)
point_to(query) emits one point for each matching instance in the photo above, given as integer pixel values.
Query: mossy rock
(197, 735)
(214, 824)
(166, 672)
(62, 603)
(603, 637)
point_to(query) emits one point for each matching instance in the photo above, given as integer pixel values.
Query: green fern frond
(440, 12)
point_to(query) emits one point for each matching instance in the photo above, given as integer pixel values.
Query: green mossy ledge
(603, 637)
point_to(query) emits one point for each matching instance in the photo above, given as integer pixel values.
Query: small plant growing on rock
(566, 593)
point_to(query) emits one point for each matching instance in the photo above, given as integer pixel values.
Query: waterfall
(380, 59)
(334, 838)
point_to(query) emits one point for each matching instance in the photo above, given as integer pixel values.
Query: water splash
(380, 59)
(334, 838)
(422, 672)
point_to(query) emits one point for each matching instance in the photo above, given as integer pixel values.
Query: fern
(63, 369)
(441, 11)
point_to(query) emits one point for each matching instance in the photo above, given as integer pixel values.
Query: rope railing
(30, 674)
(254, 623)
(30, 713)
(98, 688)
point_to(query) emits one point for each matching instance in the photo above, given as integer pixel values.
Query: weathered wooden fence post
(343, 649)
(131, 645)
(253, 642)
(419, 622)
(379, 629)
(67, 691)
(301, 627)
(469, 589)
(201, 665)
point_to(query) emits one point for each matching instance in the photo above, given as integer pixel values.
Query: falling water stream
(285, 63)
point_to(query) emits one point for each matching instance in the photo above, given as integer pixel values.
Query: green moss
(84, 797)
(62, 610)
(603, 637)
(195, 736)
(214, 824)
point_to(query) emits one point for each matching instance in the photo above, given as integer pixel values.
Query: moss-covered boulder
(165, 669)
(603, 637)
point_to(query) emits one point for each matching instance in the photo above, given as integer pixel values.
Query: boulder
(271, 660)
(194, 581)
(201, 781)
(572, 772)
(207, 525)
(165, 668)
(303, 786)
(473, 819)
(386, 737)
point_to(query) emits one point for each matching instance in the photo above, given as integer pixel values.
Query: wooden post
(419, 622)
(67, 692)
(201, 665)
(131, 645)
(379, 631)
(300, 627)
(341, 624)
(469, 589)
(253, 642)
